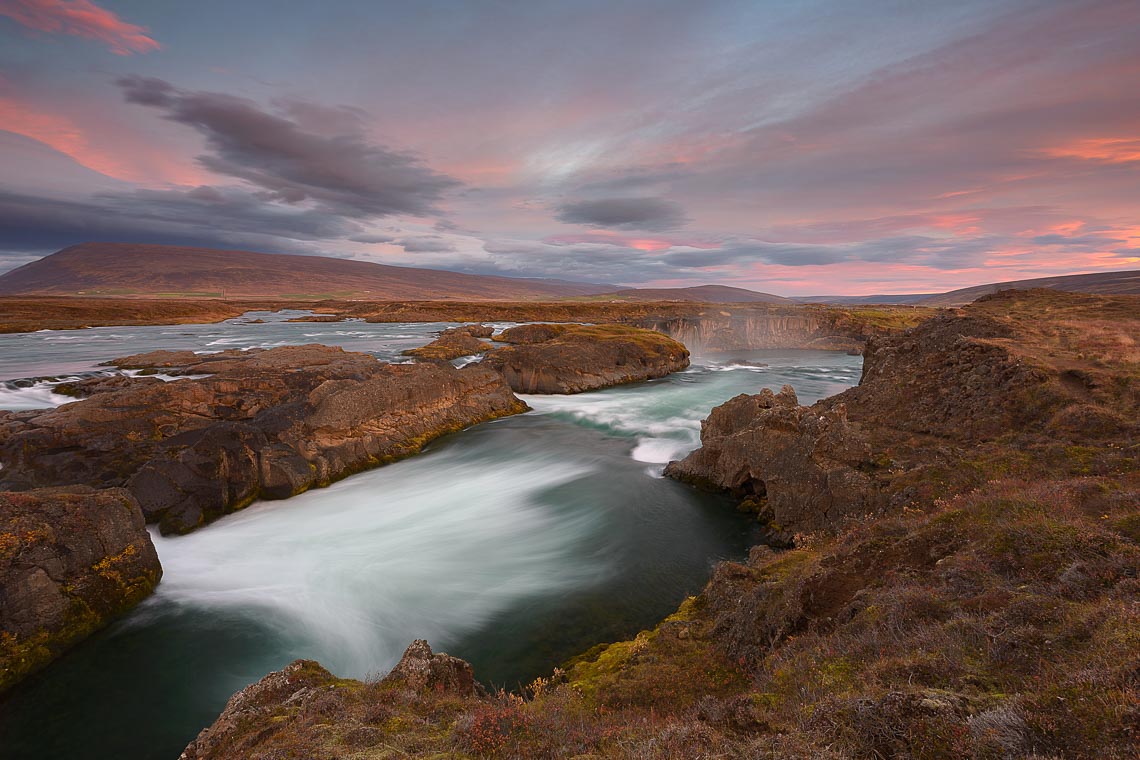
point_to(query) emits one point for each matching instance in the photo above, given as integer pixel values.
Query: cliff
(71, 560)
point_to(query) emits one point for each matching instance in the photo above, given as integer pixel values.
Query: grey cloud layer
(623, 213)
(341, 172)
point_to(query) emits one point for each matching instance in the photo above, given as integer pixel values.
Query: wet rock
(71, 560)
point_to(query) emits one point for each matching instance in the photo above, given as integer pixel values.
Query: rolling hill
(1102, 283)
(132, 270)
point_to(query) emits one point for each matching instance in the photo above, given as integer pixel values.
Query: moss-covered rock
(71, 560)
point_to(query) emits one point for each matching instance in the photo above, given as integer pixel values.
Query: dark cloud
(425, 244)
(937, 253)
(372, 239)
(203, 216)
(623, 213)
(343, 172)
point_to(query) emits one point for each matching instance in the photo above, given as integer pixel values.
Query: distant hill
(907, 298)
(1103, 283)
(699, 293)
(132, 270)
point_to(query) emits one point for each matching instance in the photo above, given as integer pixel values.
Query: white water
(358, 570)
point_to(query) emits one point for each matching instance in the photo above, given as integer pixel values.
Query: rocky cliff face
(576, 358)
(71, 559)
(724, 331)
(264, 424)
(985, 376)
(798, 467)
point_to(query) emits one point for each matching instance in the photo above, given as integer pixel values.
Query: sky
(799, 148)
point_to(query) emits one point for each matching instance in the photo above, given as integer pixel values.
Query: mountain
(1102, 283)
(126, 269)
(699, 293)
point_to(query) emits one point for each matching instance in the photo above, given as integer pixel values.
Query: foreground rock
(354, 712)
(574, 358)
(71, 560)
(264, 425)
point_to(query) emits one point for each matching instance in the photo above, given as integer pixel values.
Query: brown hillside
(121, 269)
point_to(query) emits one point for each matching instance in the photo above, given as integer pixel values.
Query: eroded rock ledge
(800, 468)
(71, 559)
(567, 358)
(264, 424)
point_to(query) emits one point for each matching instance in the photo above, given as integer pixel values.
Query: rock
(797, 465)
(576, 358)
(262, 717)
(454, 343)
(264, 424)
(526, 334)
(254, 705)
(71, 560)
(421, 670)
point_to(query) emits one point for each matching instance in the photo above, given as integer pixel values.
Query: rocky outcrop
(258, 721)
(1007, 374)
(799, 468)
(454, 343)
(264, 424)
(71, 560)
(576, 358)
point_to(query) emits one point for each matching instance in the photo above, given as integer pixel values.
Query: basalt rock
(796, 466)
(71, 560)
(576, 358)
(264, 424)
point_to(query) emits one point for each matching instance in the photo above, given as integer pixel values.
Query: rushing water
(515, 544)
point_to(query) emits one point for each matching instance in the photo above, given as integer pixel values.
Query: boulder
(71, 560)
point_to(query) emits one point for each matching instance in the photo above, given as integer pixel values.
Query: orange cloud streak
(81, 18)
(63, 135)
(1109, 150)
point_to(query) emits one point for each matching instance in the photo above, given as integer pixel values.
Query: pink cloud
(81, 18)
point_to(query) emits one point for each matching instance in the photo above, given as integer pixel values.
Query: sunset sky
(813, 147)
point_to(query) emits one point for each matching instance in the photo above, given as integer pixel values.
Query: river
(514, 544)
